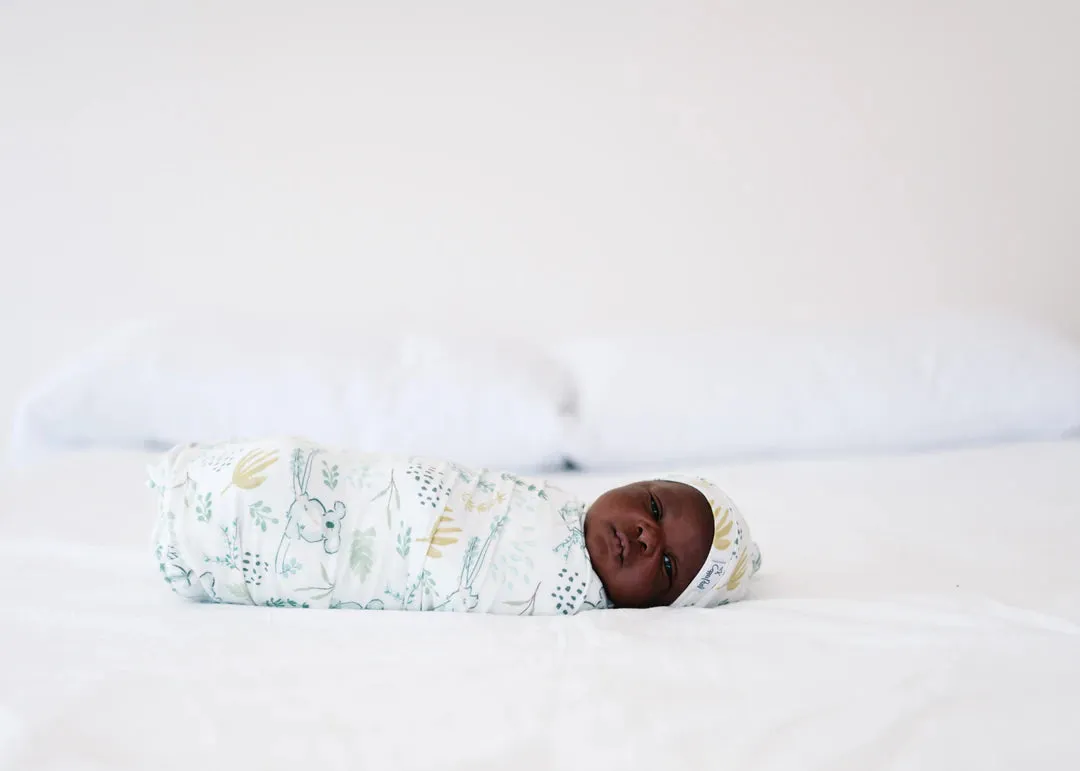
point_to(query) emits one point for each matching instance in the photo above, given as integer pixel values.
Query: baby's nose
(647, 537)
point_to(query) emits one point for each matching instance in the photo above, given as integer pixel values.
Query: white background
(534, 168)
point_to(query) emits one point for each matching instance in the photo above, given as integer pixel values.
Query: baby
(288, 523)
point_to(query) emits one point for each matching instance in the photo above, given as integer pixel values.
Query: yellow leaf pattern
(247, 473)
(470, 505)
(722, 517)
(440, 536)
(738, 573)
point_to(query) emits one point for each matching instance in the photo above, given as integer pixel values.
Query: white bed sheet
(912, 612)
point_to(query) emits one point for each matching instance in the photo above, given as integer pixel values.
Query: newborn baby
(288, 523)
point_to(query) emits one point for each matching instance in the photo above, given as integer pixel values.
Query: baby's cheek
(599, 569)
(610, 582)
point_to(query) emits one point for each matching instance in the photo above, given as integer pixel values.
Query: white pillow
(481, 402)
(919, 384)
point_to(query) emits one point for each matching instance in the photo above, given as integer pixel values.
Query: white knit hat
(733, 557)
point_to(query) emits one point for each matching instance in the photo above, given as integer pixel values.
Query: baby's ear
(339, 509)
(332, 542)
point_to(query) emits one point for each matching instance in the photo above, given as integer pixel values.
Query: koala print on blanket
(308, 519)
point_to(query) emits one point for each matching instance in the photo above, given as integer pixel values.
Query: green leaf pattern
(260, 515)
(362, 553)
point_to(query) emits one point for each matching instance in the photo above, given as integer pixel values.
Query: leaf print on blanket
(463, 474)
(247, 473)
(231, 558)
(404, 541)
(483, 506)
(358, 477)
(722, 518)
(393, 499)
(296, 461)
(362, 553)
(572, 517)
(407, 597)
(204, 508)
(330, 475)
(737, 573)
(291, 567)
(260, 514)
(525, 486)
(200, 503)
(472, 561)
(218, 461)
(427, 585)
(323, 591)
(440, 536)
(527, 606)
(172, 567)
(514, 563)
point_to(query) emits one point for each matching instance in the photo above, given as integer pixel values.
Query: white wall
(573, 166)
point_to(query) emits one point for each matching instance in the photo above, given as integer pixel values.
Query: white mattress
(915, 612)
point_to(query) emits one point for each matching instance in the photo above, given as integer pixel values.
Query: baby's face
(648, 540)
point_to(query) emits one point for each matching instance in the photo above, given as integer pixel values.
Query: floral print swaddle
(288, 523)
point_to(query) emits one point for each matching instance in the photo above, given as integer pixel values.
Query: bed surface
(912, 612)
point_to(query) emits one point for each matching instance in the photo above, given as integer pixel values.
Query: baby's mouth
(620, 546)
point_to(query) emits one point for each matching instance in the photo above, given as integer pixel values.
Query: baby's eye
(654, 507)
(669, 567)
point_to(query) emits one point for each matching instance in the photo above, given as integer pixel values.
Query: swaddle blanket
(291, 524)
